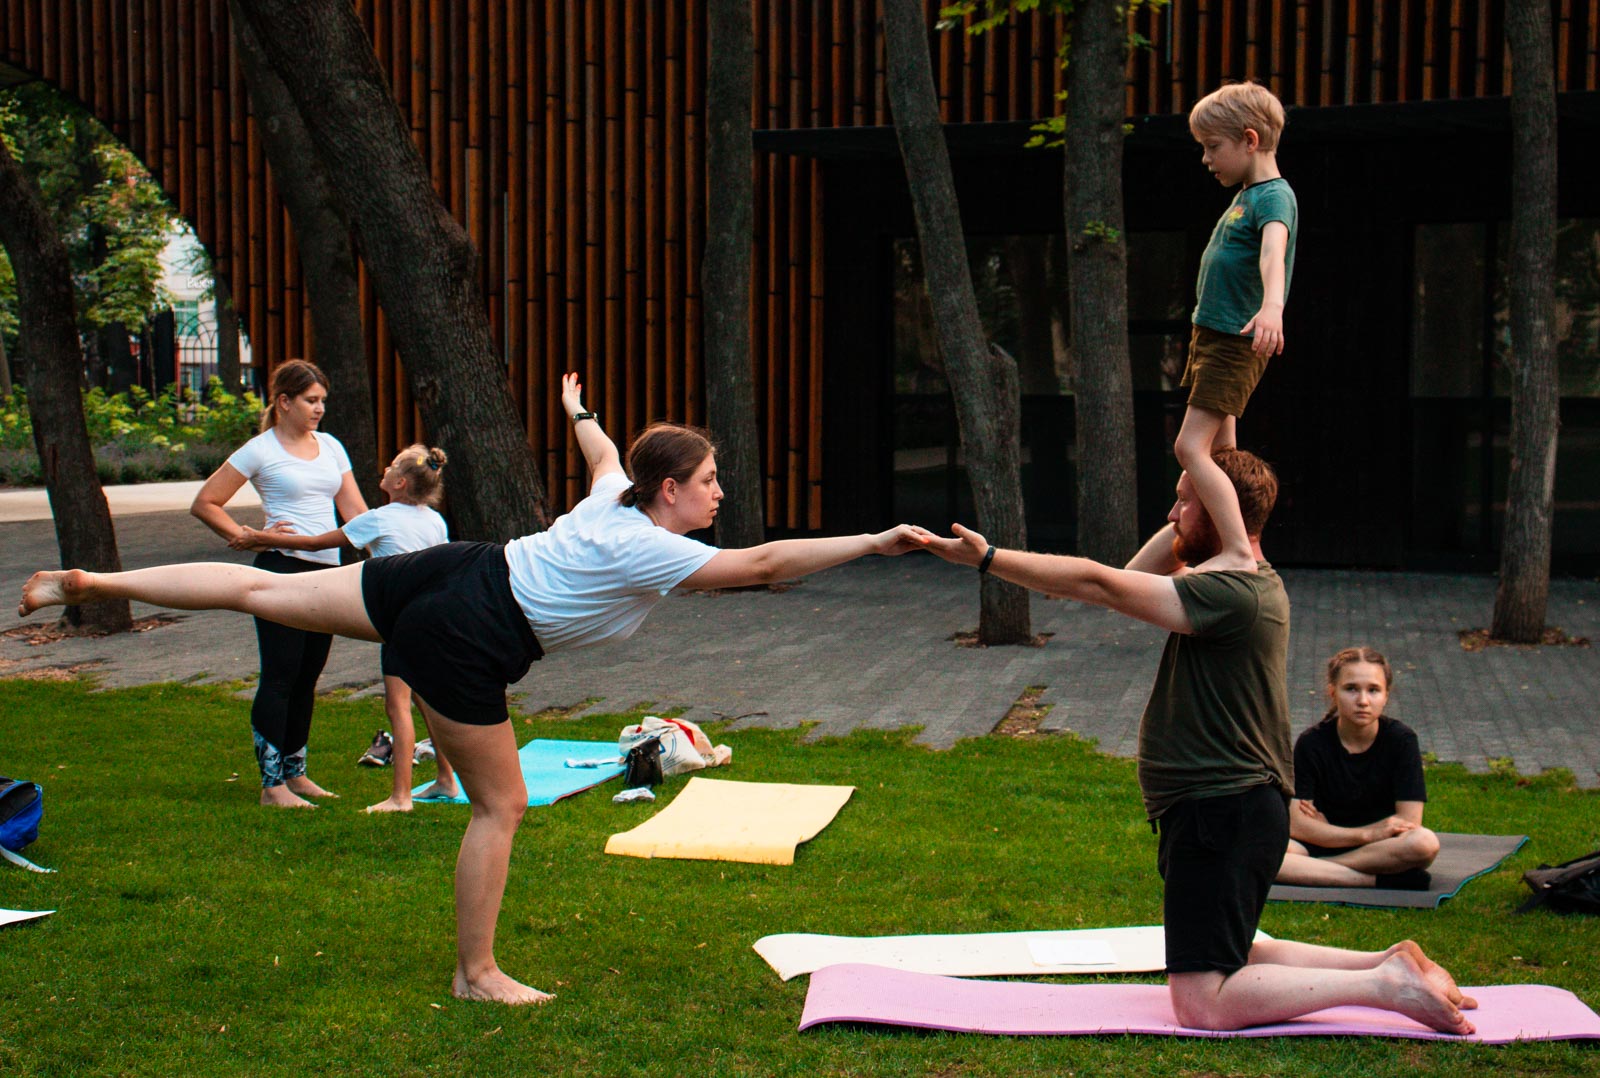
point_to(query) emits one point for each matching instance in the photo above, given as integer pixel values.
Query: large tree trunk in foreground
(982, 379)
(54, 358)
(422, 263)
(1097, 274)
(1519, 603)
(725, 273)
(230, 371)
(327, 261)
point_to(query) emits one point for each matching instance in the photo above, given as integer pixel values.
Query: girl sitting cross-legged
(1356, 820)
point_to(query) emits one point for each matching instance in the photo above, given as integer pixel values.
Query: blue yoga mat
(545, 770)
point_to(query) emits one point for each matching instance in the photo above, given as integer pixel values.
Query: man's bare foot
(59, 587)
(303, 786)
(496, 987)
(1436, 975)
(1415, 996)
(438, 790)
(391, 804)
(283, 797)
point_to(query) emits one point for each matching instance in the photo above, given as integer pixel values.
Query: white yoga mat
(1141, 949)
(11, 917)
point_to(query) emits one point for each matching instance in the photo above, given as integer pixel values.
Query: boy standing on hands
(1244, 282)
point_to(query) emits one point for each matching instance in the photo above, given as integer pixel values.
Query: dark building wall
(568, 140)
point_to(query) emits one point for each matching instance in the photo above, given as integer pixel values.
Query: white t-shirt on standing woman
(294, 491)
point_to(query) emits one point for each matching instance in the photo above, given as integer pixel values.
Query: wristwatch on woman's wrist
(585, 415)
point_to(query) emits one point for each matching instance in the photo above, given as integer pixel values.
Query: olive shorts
(1222, 372)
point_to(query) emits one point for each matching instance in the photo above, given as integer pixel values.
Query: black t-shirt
(1356, 789)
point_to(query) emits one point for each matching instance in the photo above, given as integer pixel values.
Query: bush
(138, 438)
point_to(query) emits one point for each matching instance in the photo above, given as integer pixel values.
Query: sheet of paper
(8, 917)
(1071, 952)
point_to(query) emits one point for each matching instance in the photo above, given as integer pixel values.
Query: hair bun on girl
(436, 458)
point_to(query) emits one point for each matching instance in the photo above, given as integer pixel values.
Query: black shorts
(451, 628)
(1218, 857)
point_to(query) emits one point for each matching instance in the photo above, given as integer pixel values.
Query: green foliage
(112, 216)
(138, 438)
(1100, 232)
(982, 16)
(197, 933)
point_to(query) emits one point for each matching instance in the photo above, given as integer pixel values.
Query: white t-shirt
(598, 570)
(294, 491)
(396, 528)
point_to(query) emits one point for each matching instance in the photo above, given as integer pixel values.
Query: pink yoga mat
(876, 994)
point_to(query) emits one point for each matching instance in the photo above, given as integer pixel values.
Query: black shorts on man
(1217, 858)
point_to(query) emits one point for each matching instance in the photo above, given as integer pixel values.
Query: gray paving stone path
(868, 645)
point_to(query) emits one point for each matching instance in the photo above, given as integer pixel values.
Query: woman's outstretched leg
(486, 759)
(328, 601)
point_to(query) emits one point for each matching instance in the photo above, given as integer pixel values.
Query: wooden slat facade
(568, 138)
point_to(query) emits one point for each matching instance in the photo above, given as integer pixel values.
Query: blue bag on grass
(21, 809)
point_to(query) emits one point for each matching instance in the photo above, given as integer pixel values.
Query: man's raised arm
(1137, 593)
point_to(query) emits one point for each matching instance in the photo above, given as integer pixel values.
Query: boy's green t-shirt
(1218, 717)
(1228, 293)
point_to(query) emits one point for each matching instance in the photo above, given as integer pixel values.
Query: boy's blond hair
(1230, 109)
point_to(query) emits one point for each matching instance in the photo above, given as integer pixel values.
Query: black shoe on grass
(378, 753)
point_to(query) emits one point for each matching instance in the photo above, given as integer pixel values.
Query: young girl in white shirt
(410, 521)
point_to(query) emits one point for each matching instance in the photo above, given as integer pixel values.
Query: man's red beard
(1199, 544)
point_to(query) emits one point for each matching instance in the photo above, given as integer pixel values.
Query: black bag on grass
(1570, 887)
(642, 765)
(21, 808)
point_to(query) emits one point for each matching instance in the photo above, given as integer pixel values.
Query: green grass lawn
(199, 934)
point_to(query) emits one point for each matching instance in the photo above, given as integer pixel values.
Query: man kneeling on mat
(1215, 768)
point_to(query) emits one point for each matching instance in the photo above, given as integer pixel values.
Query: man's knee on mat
(1197, 1001)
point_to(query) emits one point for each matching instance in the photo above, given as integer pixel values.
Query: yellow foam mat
(718, 820)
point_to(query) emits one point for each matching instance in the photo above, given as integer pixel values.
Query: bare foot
(283, 797)
(1437, 975)
(392, 804)
(439, 790)
(60, 587)
(1415, 996)
(496, 987)
(302, 785)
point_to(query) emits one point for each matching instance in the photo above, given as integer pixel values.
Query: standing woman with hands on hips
(302, 476)
(462, 621)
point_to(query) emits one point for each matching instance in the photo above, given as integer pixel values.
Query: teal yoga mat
(545, 770)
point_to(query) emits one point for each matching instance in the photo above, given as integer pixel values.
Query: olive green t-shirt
(1218, 717)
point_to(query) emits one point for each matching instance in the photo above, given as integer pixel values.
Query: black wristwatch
(585, 415)
(988, 559)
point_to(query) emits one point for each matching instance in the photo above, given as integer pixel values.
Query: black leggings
(291, 662)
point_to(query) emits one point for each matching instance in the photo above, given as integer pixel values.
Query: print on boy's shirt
(1235, 215)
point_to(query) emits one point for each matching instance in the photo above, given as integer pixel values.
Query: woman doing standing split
(464, 620)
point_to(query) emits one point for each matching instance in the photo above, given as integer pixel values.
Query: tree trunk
(1519, 602)
(423, 265)
(725, 272)
(229, 370)
(5, 369)
(1097, 275)
(983, 380)
(49, 344)
(327, 261)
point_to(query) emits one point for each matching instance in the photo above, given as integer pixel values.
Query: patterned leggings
(291, 662)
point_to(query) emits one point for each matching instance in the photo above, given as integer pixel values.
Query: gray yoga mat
(1461, 858)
